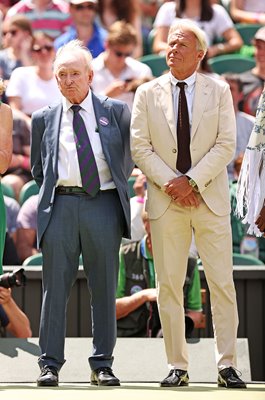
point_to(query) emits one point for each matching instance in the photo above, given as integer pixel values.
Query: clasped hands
(181, 192)
(260, 221)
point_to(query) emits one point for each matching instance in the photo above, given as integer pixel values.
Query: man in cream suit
(83, 208)
(193, 199)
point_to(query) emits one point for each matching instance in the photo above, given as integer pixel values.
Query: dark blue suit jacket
(115, 140)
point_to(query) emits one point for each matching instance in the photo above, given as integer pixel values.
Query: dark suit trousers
(93, 227)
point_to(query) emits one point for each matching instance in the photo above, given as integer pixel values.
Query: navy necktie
(86, 159)
(183, 132)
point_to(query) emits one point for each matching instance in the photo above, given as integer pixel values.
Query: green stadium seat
(247, 32)
(131, 181)
(8, 190)
(245, 259)
(35, 259)
(29, 189)
(156, 62)
(231, 63)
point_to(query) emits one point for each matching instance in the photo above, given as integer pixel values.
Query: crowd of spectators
(116, 32)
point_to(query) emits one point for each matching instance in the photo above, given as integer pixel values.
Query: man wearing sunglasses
(117, 73)
(84, 27)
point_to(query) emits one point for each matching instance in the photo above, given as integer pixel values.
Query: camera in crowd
(15, 278)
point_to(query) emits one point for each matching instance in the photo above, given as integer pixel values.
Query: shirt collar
(190, 81)
(86, 103)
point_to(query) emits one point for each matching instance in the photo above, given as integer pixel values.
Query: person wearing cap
(48, 16)
(253, 80)
(84, 27)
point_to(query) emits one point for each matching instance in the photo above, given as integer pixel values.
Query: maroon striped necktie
(86, 159)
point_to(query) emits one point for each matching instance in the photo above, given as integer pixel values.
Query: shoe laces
(178, 372)
(47, 369)
(106, 369)
(232, 371)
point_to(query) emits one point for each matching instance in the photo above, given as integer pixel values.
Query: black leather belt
(70, 190)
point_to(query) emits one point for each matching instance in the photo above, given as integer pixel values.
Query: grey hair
(192, 27)
(74, 46)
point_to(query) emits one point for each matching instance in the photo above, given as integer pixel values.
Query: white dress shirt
(68, 166)
(189, 92)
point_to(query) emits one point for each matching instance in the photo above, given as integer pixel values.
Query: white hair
(74, 46)
(191, 27)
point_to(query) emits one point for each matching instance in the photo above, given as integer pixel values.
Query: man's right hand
(260, 222)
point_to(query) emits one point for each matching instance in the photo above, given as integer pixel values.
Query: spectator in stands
(85, 27)
(136, 291)
(117, 73)
(18, 172)
(48, 16)
(5, 158)
(137, 204)
(213, 19)
(149, 9)
(253, 80)
(10, 256)
(27, 228)
(248, 11)
(12, 318)
(244, 122)
(31, 88)
(17, 42)
(129, 11)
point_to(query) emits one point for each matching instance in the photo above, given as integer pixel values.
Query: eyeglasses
(121, 54)
(80, 7)
(12, 32)
(39, 49)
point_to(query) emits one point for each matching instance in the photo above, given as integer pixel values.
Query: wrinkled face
(73, 77)
(182, 53)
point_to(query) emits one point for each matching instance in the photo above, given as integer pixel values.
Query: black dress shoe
(176, 377)
(104, 376)
(48, 377)
(228, 378)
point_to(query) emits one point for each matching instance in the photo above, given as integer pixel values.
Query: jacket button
(174, 150)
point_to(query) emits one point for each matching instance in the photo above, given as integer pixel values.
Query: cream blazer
(212, 146)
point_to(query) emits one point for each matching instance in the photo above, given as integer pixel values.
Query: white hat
(75, 2)
(260, 34)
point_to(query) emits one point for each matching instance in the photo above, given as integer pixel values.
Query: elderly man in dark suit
(81, 161)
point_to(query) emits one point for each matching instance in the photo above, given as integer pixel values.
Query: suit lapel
(165, 100)
(52, 121)
(202, 92)
(103, 119)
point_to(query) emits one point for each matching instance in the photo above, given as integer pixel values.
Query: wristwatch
(193, 184)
